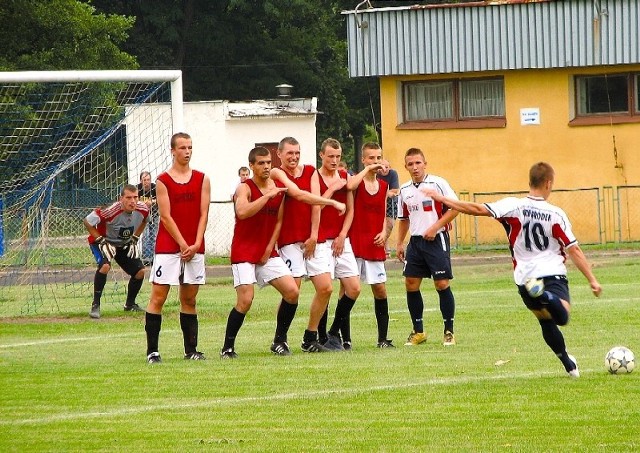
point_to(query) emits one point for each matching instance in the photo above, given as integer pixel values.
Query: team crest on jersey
(427, 205)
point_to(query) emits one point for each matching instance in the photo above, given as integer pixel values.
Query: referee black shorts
(428, 259)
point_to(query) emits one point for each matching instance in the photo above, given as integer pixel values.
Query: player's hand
(430, 234)
(107, 250)
(309, 248)
(133, 248)
(431, 193)
(338, 184)
(187, 253)
(338, 246)
(400, 252)
(379, 239)
(341, 207)
(375, 167)
(596, 289)
(274, 191)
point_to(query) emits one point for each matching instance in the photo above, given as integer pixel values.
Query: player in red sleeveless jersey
(333, 184)
(183, 197)
(369, 232)
(300, 244)
(259, 210)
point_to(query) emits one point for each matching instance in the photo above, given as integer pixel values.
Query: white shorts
(319, 263)
(372, 272)
(344, 265)
(249, 273)
(169, 269)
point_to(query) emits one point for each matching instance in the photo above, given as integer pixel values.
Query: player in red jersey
(183, 197)
(114, 232)
(540, 237)
(259, 209)
(335, 229)
(299, 243)
(368, 234)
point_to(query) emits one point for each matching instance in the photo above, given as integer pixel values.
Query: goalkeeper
(114, 232)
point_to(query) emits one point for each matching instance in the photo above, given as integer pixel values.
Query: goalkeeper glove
(107, 250)
(133, 248)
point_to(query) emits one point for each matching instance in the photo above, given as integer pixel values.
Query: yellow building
(487, 90)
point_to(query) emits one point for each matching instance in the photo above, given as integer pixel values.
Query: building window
(607, 98)
(455, 100)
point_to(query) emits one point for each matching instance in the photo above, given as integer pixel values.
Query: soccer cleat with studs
(313, 346)
(228, 353)
(195, 355)
(575, 373)
(333, 343)
(95, 311)
(416, 338)
(449, 339)
(154, 358)
(134, 307)
(384, 344)
(280, 348)
(347, 345)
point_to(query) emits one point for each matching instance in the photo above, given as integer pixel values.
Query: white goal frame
(174, 77)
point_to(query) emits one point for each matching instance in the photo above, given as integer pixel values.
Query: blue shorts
(428, 259)
(557, 285)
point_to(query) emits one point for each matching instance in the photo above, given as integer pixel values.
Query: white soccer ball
(534, 286)
(620, 360)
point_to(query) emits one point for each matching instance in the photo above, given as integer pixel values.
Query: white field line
(215, 402)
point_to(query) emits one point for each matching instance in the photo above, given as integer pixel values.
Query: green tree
(61, 34)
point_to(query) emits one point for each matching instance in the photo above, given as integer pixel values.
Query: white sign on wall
(529, 116)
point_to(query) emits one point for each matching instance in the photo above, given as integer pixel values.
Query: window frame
(457, 121)
(631, 115)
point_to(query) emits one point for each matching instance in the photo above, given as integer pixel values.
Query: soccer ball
(620, 360)
(534, 286)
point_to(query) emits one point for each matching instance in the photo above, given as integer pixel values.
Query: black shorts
(130, 265)
(428, 259)
(557, 285)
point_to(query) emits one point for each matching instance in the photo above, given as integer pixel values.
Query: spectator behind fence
(147, 195)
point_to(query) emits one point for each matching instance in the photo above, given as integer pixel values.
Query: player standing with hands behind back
(428, 252)
(539, 233)
(183, 196)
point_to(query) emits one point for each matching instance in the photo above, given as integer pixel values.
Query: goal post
(69, 142)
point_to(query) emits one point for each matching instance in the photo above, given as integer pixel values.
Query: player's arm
(302, 195)
(381, 238)
(274, 236)
(309, 246)
(246, 207)
(577, 257)
(205, 202)
(338, 242)
(354, 181)
(403, 228)
(466, 207)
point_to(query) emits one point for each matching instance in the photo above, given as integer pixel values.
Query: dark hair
(330, 143)
(287, 140)
(258, 151)
(371, 145)
(129, 188)
(414, 152)
(176, 136)
(539, 174)
(143, 174)
(241, 169)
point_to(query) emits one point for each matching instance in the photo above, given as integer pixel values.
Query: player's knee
(243, 305)
(105, 268)
(139, 275)
(291, 294)
(441, 285)
(379, 291)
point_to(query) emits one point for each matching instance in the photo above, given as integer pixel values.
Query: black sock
(555, 340)
(345, 329)
(343, 310)
(558, 312)
(286, 313)
(234, 322)
(309, 336)
(416, 307)
(152, 325)
(189, 326)
(322, 326)
(381, 308)
(99, 281)
(133, 288)
(447, 308)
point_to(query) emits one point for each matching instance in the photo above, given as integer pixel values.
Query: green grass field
(74, 384)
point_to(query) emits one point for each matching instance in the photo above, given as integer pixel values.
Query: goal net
(69, 141)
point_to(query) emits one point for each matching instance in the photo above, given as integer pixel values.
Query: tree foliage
(61, 34)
